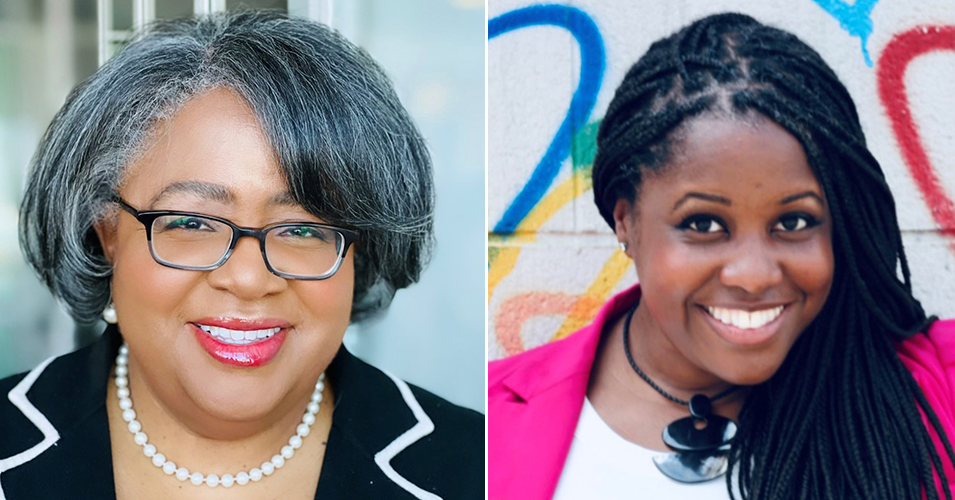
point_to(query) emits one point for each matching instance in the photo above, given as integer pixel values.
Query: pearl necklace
(197, 478)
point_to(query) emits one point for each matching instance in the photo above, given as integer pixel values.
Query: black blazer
(388, 439)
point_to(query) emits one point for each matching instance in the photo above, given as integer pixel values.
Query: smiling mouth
(238, 337)
(745, 320)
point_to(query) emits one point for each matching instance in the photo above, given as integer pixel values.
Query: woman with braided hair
(773, 348)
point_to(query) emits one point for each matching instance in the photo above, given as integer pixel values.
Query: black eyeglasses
(198, 242)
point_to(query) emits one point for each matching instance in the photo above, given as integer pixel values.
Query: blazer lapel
(64, 398)
(533, 409)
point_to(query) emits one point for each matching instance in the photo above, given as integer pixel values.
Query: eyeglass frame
(147, 217)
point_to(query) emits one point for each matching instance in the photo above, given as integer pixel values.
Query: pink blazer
(535, 398)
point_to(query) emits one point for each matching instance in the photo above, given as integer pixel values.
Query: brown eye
(703, 224)
(791, 223)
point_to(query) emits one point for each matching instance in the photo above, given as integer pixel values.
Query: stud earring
(109, 314)
(623, 246)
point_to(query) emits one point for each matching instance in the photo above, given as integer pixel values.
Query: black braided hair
(840, 418)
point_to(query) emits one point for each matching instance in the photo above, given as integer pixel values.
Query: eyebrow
(726, 201)
(215, 192)
(702, 196)
(799, 196)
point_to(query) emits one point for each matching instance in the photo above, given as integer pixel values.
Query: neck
(209, 445)
(659, 359)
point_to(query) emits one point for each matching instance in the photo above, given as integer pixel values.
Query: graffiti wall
(552, 70)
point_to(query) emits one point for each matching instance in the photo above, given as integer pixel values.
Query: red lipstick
(256, 353)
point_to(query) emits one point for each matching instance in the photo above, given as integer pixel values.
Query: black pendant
(683, 434)
(694, 466)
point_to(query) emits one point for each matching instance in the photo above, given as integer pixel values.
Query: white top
(603, 465)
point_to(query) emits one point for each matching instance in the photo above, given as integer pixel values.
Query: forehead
(214, 138)
(740, 158)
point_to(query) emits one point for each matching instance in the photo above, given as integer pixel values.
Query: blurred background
(433, 50)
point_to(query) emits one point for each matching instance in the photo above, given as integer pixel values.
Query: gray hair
(349, 151)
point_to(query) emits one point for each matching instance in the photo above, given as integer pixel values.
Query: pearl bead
(302, 430)
(321, 377)
(308, 419)
(197, 478)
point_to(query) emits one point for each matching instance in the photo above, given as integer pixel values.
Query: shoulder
(930, 358)
(57, 390)
(499, 369)
(27, 400)
(930, 355)
(16, 431)
(49, 420)
(543, 367)
(416, 438)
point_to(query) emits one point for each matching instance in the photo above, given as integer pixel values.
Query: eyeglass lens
(296, 249)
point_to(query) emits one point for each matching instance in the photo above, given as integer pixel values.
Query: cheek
(670, 275)
(812, 267)
(143, 289)
(328, 302)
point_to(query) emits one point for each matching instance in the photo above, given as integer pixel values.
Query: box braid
(840, 418)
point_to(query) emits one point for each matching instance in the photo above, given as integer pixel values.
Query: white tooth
(237, 335)
(250, 335)
(746, 320)
(215, 331)
(261, 333)
(760, 318)
(721, 315)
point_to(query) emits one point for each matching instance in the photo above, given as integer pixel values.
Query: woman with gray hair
(229, 194)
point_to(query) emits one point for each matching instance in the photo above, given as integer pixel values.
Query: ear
(624, 222)
(106, 231)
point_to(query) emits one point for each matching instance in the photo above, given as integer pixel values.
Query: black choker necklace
(701, 441)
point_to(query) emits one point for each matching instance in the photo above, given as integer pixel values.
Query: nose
(752, 267)
(245, 275)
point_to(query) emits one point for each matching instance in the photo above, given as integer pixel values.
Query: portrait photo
(720, 253)
(242, 249)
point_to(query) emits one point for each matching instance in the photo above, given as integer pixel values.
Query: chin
(750, 374)
(230, 403)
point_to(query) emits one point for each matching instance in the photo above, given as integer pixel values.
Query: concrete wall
(552, 261)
